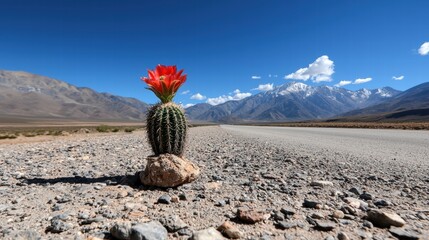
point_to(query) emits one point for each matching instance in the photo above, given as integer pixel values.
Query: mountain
(24, 94)
(410, 105)
(292, 101)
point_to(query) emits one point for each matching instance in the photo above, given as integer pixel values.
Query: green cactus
(166, 128)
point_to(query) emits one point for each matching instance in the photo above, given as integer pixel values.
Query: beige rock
(207, 234)
(321, 184)
(385, 219)
(338, 214)
(230, 230)
(168, 170)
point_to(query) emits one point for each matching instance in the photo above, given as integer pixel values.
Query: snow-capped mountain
(292, 101)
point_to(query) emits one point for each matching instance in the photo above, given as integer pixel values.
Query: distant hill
(294, 101)
(410, 105)
(25, 95)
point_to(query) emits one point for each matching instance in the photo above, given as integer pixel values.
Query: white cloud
(256, 77)
(188, 105)
(265, 87)
(320, 70)
(424, 49)
(362, 80)
(271, 75)
(237, 95)
(198, 96)
(185, 92)
(398, 78)
(343, 83)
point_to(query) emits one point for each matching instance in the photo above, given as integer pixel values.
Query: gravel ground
(82, 187)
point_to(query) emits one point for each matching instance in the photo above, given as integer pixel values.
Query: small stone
(185, 232)
(172, 223)
(382, 203)
(356, 191)
(149, 231)
(22, 235)
(367, 224)
(168, 170)
(324, 225)
(183, 197)
(317, 216)
(230, 230)
(385, 219)
(311, 204)
(251, 216)
(321, 184)
(164, 199)
(285, 225)
(365, 196)
(288, 211)
(174, 199)
(58, 226)
(121, 231)
(403, 234)
(338, 214)
(208, 234)
(93, 220)
(329, 238)
(342, 236)
(220, 203)
(352, 202)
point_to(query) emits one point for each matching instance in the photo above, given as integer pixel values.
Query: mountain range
(26, 95)
(293, 101)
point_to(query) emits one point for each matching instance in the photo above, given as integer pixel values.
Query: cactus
(165, 122)
(166, 129)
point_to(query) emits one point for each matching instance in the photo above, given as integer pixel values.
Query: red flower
(164, 81)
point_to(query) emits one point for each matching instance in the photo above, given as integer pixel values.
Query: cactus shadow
(128, 180)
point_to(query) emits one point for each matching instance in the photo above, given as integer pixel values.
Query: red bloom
(164, 81)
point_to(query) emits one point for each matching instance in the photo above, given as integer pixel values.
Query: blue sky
(108, 45)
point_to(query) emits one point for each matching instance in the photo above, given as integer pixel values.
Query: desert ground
(264, 182)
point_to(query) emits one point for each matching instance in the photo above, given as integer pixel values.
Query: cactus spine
(166, 128)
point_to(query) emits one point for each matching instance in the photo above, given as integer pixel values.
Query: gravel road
(265, 184)
(406, 146)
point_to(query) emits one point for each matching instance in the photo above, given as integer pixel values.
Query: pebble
(58, 226)
(164, 199)
(208, 234)
(121, 231)
(342, 236)
(229, 230)
(321, 184)
(251, 216)
(385, 219)
(311, 204)
(172, 223)
(403, 234)
(150, 231)
(286, 225)
(338, 214)
(382, 203)
(324, 225)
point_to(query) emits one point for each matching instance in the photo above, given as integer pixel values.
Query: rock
(168, 170)
(288, 211)
(208, 234)
(121, 231)
(311, 204)
(324, 225)
(382, 203)
(164, 199)
(175, 199)
(384, 219)
(185, 232)
(403, 234)
(342, 236)
(251, 216)
(338, 214)
(321, 184)
(58, 226)
(148, 231)
(352, 202)
(230, 230)
(172, 223)
(285, 225)
(365, 196)
(367, 224)
(317, 216)
(356, 190)
(22, 235)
